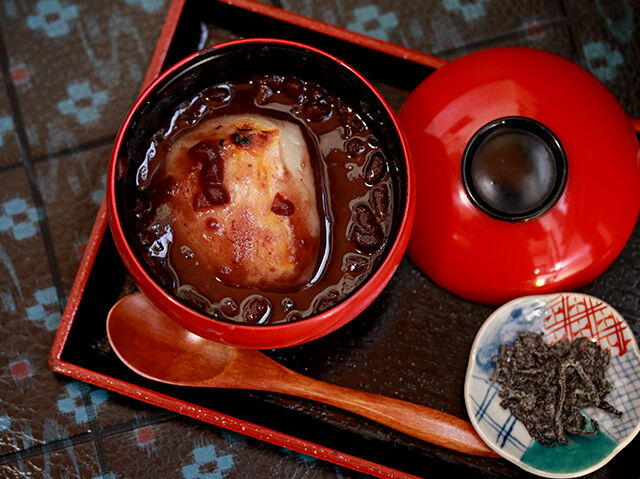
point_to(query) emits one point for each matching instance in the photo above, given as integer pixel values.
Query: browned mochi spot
(226, 194)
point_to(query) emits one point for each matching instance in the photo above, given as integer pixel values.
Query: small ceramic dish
(557, 316)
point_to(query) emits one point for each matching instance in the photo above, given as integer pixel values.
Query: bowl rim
(321, 323)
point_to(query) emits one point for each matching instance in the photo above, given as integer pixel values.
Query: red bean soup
(262, 198)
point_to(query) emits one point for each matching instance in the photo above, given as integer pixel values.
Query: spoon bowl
(206, 358)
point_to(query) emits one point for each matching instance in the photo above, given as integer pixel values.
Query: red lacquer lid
(528, 172)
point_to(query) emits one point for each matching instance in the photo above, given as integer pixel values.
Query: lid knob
(514, 169)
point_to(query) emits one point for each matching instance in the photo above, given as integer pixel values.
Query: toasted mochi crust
(243, 242)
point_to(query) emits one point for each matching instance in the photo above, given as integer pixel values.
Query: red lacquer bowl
(529, 175)
(239, 60)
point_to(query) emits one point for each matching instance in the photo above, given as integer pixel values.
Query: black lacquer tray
(412, 343)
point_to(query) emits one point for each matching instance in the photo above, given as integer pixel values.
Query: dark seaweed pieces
(545, 386)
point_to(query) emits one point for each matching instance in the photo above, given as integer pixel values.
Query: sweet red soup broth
(262, 202)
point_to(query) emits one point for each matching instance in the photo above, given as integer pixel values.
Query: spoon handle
(422, 422)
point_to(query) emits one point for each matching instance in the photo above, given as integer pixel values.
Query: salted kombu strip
(545, 386)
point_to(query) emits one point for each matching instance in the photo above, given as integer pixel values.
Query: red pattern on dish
(569, 316)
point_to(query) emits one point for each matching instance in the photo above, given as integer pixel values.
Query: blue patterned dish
(557, 316)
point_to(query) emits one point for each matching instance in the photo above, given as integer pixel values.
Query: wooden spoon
(157, 348)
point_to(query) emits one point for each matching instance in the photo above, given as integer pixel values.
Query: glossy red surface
(492, 261)
(272, 336)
